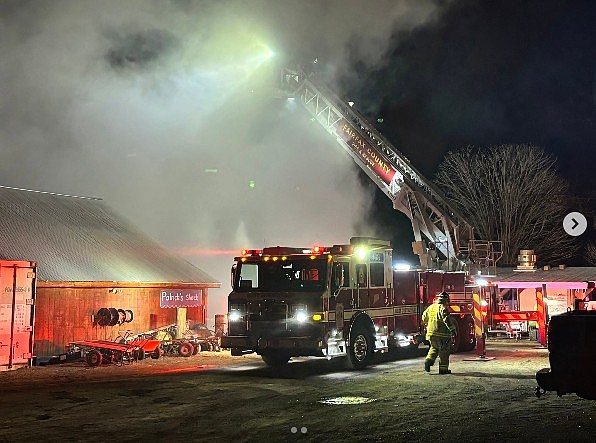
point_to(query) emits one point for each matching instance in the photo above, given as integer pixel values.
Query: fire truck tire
(185, 349)
(196, 348)
(275, 359)
(467, 336)
(139, 354)
(360, 351)
(93, 358)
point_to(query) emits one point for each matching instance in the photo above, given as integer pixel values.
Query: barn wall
(198, 314)
(63, 315)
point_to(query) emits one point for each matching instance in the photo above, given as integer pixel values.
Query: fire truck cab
(325, 301)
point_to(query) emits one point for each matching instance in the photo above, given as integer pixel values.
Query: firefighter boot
(444, 371)
(427, 365)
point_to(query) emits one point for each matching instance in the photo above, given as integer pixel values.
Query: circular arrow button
(575, 223)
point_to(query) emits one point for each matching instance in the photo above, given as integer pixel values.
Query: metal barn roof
(76, 239)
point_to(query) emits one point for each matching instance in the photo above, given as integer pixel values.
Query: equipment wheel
(138, 354)
(157, 353)
(93, 358)
(117, 357)
(361, 348)
(185, 349)
(196, 348)
(275, 359)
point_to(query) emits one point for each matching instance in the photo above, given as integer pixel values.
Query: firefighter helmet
(443, 297)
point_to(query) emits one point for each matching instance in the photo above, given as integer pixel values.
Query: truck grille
(268, 310)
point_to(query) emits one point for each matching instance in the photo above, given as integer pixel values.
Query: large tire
(93, 358)
(275, 359)
(196, 348)
(121, 316)
(465, 338)
(361, 348)
(114, 317)
(138, 354)
(185, 349)
(157, 353)
(129, 315)
(103, 317)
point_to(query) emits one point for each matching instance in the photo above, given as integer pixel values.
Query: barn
(97, 274)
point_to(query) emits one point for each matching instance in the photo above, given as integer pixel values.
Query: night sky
(491, 73)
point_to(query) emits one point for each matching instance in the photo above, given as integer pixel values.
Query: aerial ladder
(443, 237)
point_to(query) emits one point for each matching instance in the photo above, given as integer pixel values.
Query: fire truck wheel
(466, 335)
(185, 349)
(138, 354)
(361, 348)
(196, 348)
(275, 359)
(93, 358)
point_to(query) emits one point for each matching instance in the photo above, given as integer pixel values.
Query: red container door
(17, 293)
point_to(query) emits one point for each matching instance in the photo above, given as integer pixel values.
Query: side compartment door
(361, 299)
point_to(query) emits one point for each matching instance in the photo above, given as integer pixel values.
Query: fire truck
(331, 301)
(347, 299)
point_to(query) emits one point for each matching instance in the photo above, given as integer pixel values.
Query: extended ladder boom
(411, 193)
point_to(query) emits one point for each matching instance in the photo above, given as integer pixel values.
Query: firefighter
(439, 330)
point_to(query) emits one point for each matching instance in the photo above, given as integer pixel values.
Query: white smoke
(165, 110)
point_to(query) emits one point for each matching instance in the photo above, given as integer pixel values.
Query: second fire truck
(331, 301)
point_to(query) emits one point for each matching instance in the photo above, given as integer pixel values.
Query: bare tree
(511, 193)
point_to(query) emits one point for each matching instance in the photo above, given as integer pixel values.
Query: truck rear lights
(250, 252)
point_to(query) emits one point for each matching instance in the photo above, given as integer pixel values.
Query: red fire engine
(331, 301)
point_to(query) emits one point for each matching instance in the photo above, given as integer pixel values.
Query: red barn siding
(65, 314)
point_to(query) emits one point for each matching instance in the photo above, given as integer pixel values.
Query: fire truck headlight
(234, 316)
(301, 316)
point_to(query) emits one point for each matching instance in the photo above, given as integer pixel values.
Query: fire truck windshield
(290, 275)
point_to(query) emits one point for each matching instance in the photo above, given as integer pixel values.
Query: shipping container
(17, 313)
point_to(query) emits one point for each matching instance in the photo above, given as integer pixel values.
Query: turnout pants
(441, 347)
